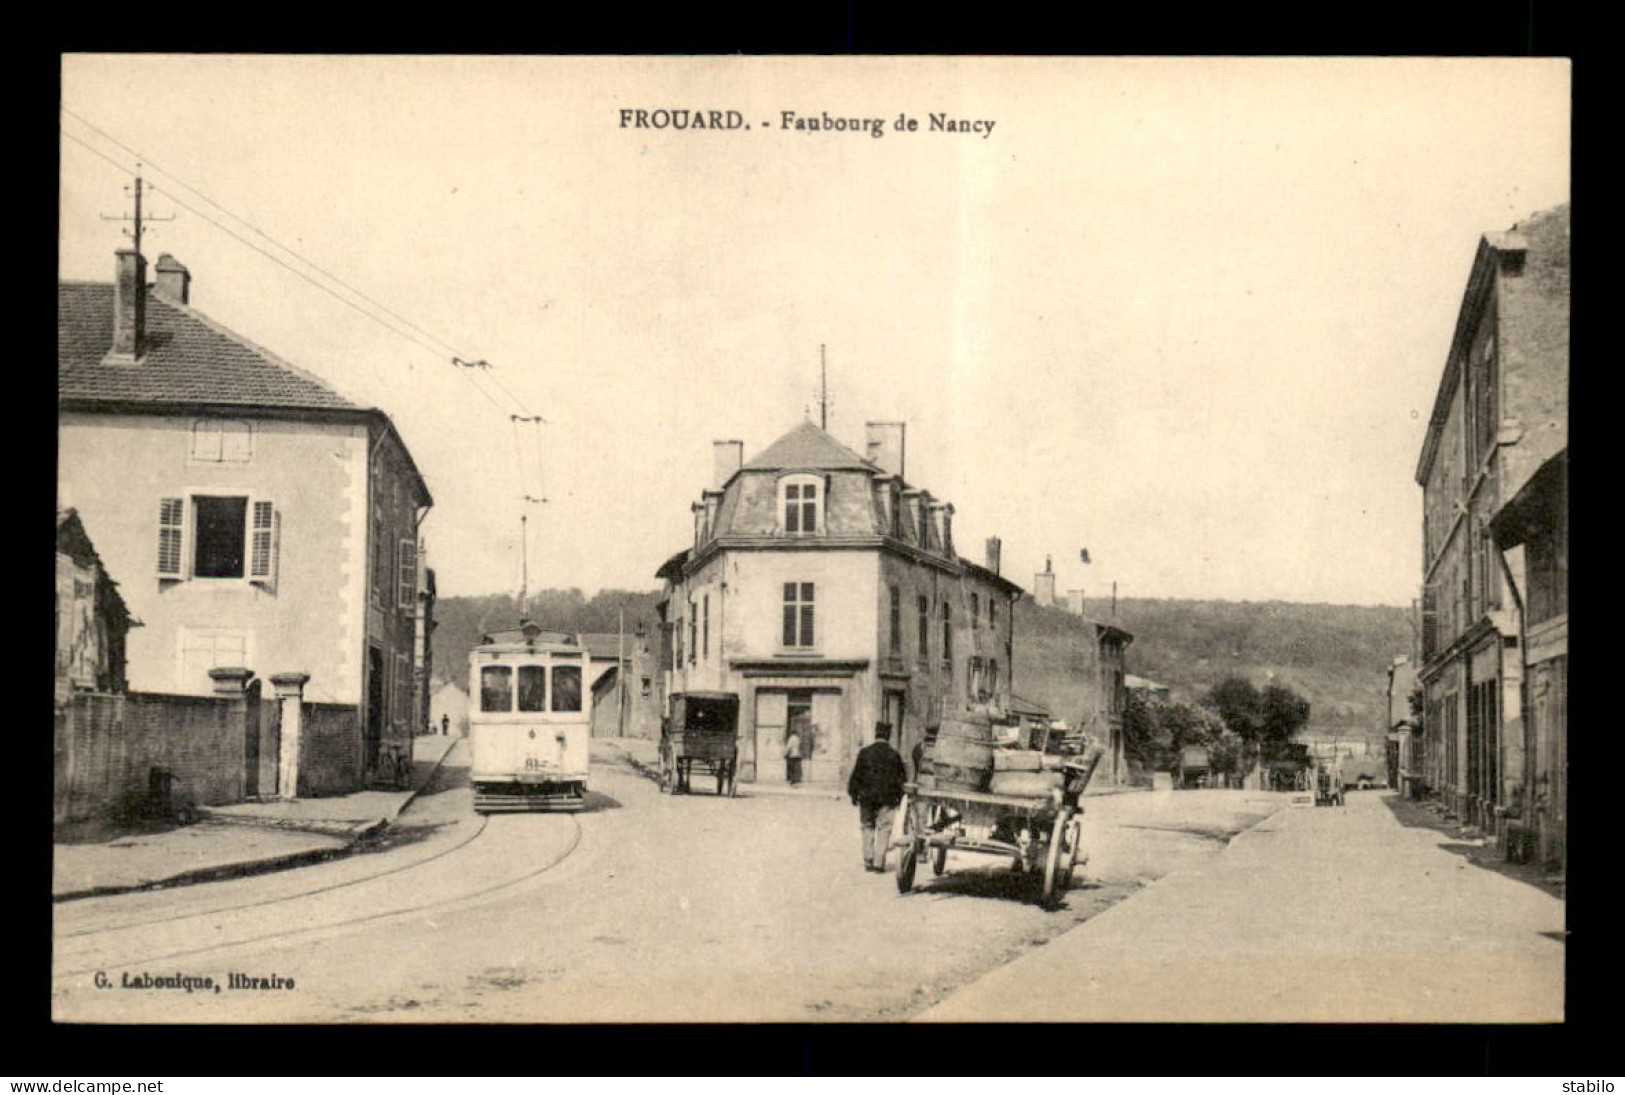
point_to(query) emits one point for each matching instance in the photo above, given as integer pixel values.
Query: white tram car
(529, 720)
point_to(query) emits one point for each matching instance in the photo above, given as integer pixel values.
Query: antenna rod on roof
(823, 390)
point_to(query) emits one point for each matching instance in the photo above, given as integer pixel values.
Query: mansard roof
(807, 446)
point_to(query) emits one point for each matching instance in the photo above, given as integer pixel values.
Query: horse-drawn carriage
(702, 732)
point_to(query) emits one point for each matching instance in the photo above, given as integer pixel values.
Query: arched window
(801, 504)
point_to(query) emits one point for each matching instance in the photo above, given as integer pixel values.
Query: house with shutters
(256, 517)
(824, 590)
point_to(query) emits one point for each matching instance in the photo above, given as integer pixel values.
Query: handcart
(701, 732)
(1031, 831)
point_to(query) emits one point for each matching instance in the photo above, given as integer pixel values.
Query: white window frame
(406, 574)
(818, 504)
(253, 531)
(802, 604)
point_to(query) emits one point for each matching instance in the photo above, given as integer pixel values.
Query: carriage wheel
(906, 862)
(1074, 839)
(1052, 860)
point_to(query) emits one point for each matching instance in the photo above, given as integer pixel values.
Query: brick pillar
(290, 695)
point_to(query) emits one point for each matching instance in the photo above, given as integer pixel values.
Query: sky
(1189, 315)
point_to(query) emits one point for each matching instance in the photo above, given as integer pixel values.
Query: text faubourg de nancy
(795, 121)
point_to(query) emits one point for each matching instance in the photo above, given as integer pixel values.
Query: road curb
(242, 869)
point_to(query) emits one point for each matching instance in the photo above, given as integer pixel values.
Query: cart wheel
(1053, 882)
(939, 859)
(1074, 838)
(906, 863)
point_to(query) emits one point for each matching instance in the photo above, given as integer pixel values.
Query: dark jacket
(877, 776)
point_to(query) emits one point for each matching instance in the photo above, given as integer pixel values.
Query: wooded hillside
(1335, 655)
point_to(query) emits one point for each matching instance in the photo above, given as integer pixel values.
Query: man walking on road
(876, 787)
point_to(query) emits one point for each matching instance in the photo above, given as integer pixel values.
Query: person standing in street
(875, 788)
(792, 758)
(445, 724)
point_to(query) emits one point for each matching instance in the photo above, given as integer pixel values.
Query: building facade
(257, 517)
(92, 620)
(824, 590)
(1499, 418)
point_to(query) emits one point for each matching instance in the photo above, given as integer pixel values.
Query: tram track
(572, 842)
(219, 910)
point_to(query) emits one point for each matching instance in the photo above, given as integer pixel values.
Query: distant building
(1492, 471)
(1405, 744)
(1076, 665)
(625, 700)
(1150, 689)
(824, 590)
(256, 518)
(448, 701)
(91, 617)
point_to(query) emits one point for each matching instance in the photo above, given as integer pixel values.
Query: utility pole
(137, 221)
(823, 390)
(524, 565)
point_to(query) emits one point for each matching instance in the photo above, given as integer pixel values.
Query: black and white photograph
(832, 540)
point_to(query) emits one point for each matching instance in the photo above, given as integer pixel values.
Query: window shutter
(408, 573)
(236, 441)
(171, 536)
(205, 440)
(262, 546)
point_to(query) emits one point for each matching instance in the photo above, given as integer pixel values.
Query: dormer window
(801, 502)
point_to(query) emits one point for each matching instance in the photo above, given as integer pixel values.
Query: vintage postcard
(791, 539)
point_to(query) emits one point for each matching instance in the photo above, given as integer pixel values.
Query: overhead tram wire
(457, 362)
(448, 347)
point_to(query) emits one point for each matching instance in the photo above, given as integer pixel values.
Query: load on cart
(986, 797)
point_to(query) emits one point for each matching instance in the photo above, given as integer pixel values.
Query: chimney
(1074, 601)
(994, 544)
(129, 304)
(1044, 585)
(726, 458)
(884, 447)
(173, 281)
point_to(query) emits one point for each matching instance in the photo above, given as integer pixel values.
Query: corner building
(824, 591)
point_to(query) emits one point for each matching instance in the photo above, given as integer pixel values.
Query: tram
(529, 720)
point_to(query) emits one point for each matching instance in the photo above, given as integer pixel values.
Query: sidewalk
(241, 839)
(1320, 915)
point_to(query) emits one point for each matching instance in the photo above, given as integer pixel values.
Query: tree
(1239, 705)
(1139, 729)
(1281, 714)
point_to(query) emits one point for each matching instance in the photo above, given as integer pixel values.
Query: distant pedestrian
(876, 787)
(792, 758)
(445, 724)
